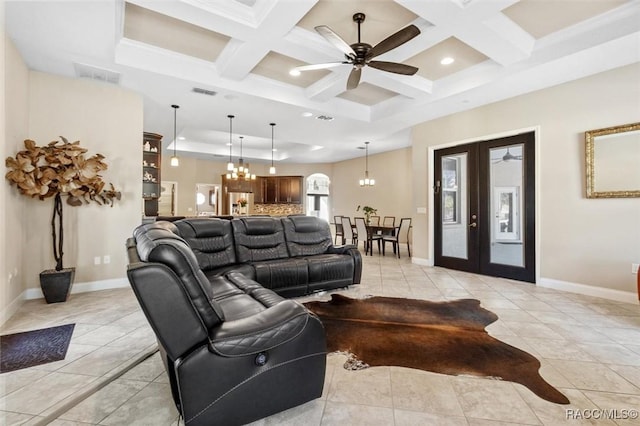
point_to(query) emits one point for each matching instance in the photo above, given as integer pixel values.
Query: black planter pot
(56, 285)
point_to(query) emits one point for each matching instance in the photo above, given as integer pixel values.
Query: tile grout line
(66, 406)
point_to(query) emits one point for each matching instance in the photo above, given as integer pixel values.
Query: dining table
(375, 229)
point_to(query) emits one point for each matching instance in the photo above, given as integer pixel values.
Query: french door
(484, 205)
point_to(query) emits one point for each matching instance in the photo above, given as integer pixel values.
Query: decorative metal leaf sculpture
(60, 169)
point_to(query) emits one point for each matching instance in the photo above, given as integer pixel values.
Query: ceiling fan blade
(393, 67)
(336, 40)
(319, 66)
(354, 78)
(393, 41)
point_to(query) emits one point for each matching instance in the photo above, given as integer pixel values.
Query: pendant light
(366, 181)
(175, 162)
(272, 169)
(230, 163)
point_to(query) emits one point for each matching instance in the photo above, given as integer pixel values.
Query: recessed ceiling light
(274, 149)
(294, 72)
(229, 144)
(181, 138)
(448, 60)
(307, 114)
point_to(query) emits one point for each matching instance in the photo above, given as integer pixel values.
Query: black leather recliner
(234, 351)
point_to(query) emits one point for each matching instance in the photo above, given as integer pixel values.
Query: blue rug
(30, 348)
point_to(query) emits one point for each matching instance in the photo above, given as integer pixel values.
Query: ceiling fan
(361, 54)
(508, 156)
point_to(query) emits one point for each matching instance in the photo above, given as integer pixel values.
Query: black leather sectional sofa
(213, 291)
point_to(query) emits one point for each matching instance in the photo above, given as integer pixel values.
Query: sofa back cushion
(258, 239)
(157, 243)
(306, 235)
(211, 241)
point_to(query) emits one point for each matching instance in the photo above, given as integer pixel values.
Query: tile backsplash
(278, 209)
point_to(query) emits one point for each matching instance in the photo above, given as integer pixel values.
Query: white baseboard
(11, 308)
(422, 262)
(588, 290)
(36, 293)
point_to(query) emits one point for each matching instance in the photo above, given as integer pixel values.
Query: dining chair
(401, 236)
(374, 220)
(367, 236)
(337, 221)
(389, 221)
(348, 231)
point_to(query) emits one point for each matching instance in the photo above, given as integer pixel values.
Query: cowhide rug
(442, 337)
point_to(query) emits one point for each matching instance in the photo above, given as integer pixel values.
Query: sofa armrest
(352, 251)
(343, 249)
(260, 332)
(167, 307)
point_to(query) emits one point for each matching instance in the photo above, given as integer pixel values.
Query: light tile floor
(589, 349)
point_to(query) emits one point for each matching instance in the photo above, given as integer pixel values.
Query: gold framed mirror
(613, 161)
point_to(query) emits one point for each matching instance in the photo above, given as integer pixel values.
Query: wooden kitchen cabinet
(278, 190)
(271, 190)
(239, 185)
(290, 189)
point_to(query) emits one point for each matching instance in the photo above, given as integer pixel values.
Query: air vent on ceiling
(95, 73)
(324, 118)
(204, 91)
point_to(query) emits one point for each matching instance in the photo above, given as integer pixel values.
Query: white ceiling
(243, 50)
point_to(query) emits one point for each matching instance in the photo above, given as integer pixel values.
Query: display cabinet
(151, 168)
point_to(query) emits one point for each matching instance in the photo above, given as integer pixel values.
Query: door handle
(473, 224)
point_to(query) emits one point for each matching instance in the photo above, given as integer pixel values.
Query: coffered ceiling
(241, 51)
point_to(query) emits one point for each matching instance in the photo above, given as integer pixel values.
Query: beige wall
(4, 285)
(193, 171)
(106, 119)
(16, 116)
(582, 241)
(392, 193)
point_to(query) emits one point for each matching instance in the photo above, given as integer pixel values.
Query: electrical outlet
(106, 259)
(96, 260)
(634, 268)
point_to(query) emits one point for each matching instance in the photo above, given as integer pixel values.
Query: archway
(318, 196)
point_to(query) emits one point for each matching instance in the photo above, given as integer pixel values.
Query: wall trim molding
(421, 261)
(36, 292)
(588, 290)
(565, 286)
(11, 308)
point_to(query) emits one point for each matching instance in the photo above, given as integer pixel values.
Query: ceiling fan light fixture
(360, 54)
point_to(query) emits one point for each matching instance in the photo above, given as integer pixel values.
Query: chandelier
(241, 172)
(367, 181)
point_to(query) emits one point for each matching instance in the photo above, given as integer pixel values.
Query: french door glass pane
(454, 206)
(506, 184)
